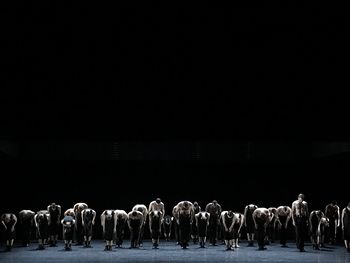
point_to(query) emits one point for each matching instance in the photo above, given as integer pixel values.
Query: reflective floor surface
(170, 252)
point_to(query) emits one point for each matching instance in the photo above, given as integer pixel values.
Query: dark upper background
(96, 102)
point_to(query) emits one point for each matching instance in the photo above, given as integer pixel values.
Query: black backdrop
(247, 73)
(121, 184)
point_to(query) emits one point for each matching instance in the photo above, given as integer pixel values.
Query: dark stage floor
(169, 252)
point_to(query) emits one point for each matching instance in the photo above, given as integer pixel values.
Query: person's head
(263, 215)
(272, 210)
(230, 214)
(109, 214)
(53, 206)
(301, 197)
(195, 203)
(334, 202)
(215, 202)
(134, 213)
(7, 219)
(158, 200)
(251, 207)
(348, 206)
(185, 204)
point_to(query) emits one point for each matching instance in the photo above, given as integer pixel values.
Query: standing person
(228, 219)
(176, 224)
(42, 221)
(55, 215)
(185, 218)
(237, 227)
(155, 226)
(214, 209)
(332, 212)
(249, 223)
(78, 208)
(270, 235)
(108, 227)
(167, 223)
(9, 221)
(194, 234)
(26, 219)
(135, 223)
(68, 223)
(261, 218)
(143, 209)
(345, 219)
(88, 216)
(323, 226)
(202, 223)
(314, 220)
(283, 215)
(70, 212)
(157, 205)
(156, 214)
(300, 214)
(120, 219)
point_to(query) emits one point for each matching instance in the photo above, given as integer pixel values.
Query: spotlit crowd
(187, 222)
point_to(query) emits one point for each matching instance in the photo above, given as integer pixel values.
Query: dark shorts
(109, 230)
(202, 230)
(250, 228)
(108, 235)
(346, 233)
(68, 235)
(10, 234)
(228, 235)
(235, 230)
(88, 229)
(53, 229)
(314, 229)
(43, 232)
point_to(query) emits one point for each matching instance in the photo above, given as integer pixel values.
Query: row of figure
(78, 221)
(188, 220)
